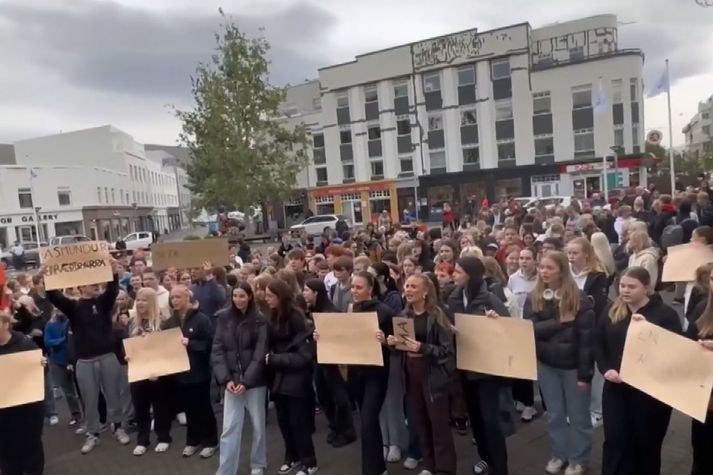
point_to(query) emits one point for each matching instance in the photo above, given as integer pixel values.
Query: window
(705, 115)
(503, 110)
(318, 140)
(106, 194)
(582, 97)
(401, 89)
(633, 89)
(506, 150)
(541, 103)
(619, 136)
(377, 169)
(403, 127)
(468, 117)
(471, 156)
(706, 129)
(544, 146)
(348, 171)
(374, 132)
(24, 196)
(500, 68)
(616, 91)
(317, 103)
(321, 174)
(345, 136)
(584, 140)
(318, 150)
(113, 196)
(406, 164)
(342, 100)
(466, 75)
(432, 82)
(438, 159)
(435, 122)
(371, 94)
(635, 135)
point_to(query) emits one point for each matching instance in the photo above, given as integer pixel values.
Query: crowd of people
(581, 274)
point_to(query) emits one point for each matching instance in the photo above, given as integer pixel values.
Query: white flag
(601, 104)
(661, 86)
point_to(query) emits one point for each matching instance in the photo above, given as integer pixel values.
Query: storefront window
(508, 188)
(325, 208)
(634, 177)
(69, 228)
(4, 244)
(294, 213)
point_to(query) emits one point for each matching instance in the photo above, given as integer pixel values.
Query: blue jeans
(234, 407)
(569, 442)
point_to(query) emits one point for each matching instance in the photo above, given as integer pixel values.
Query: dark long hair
(287, 316)
(371, 282)
(245, 287)
(384, 272)
(317, 286)
(476, 271)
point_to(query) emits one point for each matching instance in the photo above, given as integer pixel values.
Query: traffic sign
(654, 137)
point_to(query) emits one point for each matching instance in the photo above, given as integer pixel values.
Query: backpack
(672, 235)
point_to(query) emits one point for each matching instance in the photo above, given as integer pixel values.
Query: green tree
(244, 152)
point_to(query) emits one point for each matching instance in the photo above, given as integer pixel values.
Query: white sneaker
(597, 421)
(140, 450)
(576, 469)
(555, 465)
(519, 407)
(190, 451)
(480, 467)
(161, 447)
(287, 467)
(528, 414)
(89, 444)
(54, 420)
(122, 436)
(257, 471)
(307, 470)
(181, 418)
(81, 430)
(208, 452)
(425, 472)
(410, 463)
(394, 454)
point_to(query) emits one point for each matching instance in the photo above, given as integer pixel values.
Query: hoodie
(55, 339)
(649, 260)
(521, 286)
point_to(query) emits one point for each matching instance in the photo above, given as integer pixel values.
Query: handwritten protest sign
(499, 346)
(23, 378)
(673, 369)
(156, 354)
(79, 263)
(348, 338)
(189, 254)
(683, 260)
(403, 328)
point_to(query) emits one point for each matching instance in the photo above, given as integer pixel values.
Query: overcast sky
(72, 64)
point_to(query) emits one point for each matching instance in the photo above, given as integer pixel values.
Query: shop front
(112, 224)
(23, 227)
(582, 180)
(360, 203)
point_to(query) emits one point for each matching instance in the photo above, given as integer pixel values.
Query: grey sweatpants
(100, 374)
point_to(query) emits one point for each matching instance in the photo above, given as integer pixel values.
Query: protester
(56, 342)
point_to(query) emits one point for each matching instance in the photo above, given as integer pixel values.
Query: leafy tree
(244, 152)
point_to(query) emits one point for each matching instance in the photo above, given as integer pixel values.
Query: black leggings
(21, 450)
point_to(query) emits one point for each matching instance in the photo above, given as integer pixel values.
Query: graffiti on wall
(465, 46)
(574, 46)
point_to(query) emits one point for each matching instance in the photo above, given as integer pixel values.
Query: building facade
(99, 182)
(699, 141)
(514, 111)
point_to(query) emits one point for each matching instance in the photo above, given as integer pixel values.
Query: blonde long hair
(153, 316)
(570, 294)
(593, 263)
(432, 302)
(602, 249)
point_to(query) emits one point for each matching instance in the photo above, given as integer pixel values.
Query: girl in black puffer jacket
(563, 321)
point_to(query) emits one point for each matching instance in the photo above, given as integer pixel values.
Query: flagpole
(670, 132)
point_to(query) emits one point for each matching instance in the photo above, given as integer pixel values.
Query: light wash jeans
(392, 418)
(234, 407)
(595, 407)
(569, 442)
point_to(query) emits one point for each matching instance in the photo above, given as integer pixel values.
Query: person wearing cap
(21, 450)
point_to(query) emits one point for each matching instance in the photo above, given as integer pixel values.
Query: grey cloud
(111, 48)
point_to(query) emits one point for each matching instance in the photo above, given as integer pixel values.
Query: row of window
(141, 197)
(142, 175)
(24, 197)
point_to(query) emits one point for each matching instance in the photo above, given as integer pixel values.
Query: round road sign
(654, 137)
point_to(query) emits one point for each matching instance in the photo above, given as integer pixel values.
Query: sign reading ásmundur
(81, 263)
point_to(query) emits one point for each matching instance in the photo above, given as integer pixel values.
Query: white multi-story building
(506, 112)
(699, 141)
(99, 182)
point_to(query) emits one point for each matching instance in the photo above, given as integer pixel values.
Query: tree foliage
(244, 153)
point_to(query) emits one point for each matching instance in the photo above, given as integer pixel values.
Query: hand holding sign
(403, 329)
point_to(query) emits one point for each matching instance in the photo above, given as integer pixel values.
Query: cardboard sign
(683, 260)
(190, 254)
(403, 328)
(498, 346)
(23, 378)
(348, 338)
(156, 354)
(675, 370)
(79, 263)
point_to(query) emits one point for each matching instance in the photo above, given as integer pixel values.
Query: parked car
(138, 240)
(316, 224)
(549, 202)
(68, 239)
(32, 255)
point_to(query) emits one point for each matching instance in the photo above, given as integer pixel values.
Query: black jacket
(697, 303)
(199, 331)
(239, 348)
(90, 320)
(14, 420)
(477, 305)
(610, 337)
(596, 286)
(658, 224)
(292, 354)
(564, 345)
